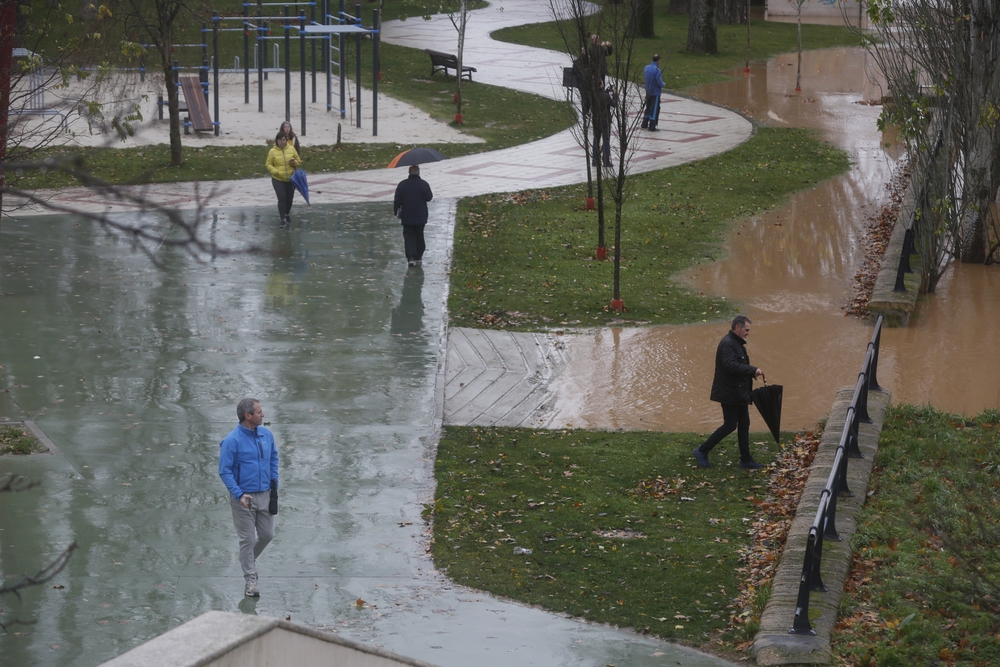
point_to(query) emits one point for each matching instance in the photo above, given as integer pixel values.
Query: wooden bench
(197, 108)
(442, 62)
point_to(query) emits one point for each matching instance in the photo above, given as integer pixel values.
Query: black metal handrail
(824, 525)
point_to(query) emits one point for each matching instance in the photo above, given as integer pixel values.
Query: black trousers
(602, 139)
(285, 191)
(413, 242)
(652, 115)
(735, 418)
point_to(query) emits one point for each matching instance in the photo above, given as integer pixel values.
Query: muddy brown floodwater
(791, 270)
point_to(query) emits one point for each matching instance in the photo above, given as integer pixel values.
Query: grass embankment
(924, 588)
(623, 527)
(17, 440)
(526, 261)
(682, 70)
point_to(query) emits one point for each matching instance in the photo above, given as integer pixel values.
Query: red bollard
(590, 203)
(458, 118)
(454, 98)
(617, 305)
(602, 253)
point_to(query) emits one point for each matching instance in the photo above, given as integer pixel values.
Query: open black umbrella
(768, 402)
(416, 156)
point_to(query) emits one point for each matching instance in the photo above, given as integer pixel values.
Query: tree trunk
(644, 19)
(731, 12)
(173, 107)
(701, 28)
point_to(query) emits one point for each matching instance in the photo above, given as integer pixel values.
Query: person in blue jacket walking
(248, 466)
(654, 86)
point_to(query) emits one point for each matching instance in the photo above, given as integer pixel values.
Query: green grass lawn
(924, 588)
(526, 261)
(623, 527)
(682, 70)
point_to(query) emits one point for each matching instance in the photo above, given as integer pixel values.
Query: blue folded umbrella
(301, 184)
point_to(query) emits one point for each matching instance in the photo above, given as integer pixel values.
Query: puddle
(792, 268)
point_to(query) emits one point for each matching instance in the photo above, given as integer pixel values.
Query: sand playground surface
(241, 123)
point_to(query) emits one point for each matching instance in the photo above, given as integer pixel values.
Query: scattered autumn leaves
(878, 231)
(769, 529)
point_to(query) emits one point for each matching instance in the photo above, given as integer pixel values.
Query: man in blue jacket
(731, 386)
(654, 86)
(248, 466)
(410, 206)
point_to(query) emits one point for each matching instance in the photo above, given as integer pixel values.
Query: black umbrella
(416, 156)
(768, 402)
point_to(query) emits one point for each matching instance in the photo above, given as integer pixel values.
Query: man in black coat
(733, 378)
(410, 206)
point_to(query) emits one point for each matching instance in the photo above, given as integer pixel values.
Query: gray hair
(739, 321)
(245, 407)
(414, 169)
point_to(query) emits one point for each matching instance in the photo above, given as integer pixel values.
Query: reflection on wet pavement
(135, 372)
(791, 269)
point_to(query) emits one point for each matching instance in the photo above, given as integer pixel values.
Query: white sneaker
(251, 588)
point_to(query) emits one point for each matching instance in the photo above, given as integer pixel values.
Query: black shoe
(654, 129)
(702, 458)
(644, 126)
(282, 225)
(750, 465)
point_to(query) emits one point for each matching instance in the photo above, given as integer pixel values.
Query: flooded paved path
(134, 373)
(792, 268)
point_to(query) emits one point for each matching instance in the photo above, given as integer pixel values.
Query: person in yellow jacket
(281, 163)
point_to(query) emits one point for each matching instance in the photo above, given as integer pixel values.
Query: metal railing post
(842, 488)
(801, 625)
(302, 68)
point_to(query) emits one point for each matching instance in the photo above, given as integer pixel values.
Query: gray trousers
(255, 528)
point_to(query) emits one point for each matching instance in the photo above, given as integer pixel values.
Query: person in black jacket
(731, 387)
(410, 206)
(604, 101)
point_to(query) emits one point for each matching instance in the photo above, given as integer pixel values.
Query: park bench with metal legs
(442, 62)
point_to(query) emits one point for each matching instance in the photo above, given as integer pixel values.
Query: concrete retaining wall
(773, 644)
(897, 307)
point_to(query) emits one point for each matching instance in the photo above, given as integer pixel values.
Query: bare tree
(577, 23)
(458, 14)
(626, 116)
(50, 87)
(941, 63)
(798, 65)
(157, 20)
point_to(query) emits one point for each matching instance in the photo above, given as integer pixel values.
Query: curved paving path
(690, 130)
